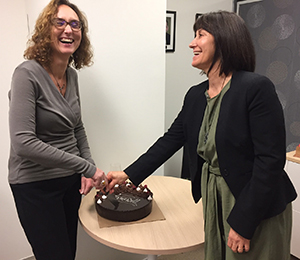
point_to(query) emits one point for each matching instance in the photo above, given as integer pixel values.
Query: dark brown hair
(39, 46)
(233, 43)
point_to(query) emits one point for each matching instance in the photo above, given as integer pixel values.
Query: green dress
(271, 240)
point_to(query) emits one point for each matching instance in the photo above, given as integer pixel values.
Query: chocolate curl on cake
(297, 154)
(128, 187)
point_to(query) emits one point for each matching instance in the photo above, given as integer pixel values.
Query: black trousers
(48, 212)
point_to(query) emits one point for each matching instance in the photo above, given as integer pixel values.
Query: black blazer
(250, 142)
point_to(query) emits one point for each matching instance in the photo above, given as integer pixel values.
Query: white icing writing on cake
(128, 200)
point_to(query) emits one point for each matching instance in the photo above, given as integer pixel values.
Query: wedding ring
(103, 182)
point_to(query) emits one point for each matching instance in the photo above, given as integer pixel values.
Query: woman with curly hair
(50, 163)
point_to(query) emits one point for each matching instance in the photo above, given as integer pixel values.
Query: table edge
(290, 157)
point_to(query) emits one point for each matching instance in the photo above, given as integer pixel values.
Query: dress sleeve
(82, 143)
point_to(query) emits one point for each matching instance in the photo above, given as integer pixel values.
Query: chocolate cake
(127, 203)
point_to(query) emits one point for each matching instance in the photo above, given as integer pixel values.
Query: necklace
(224, 82)
(57, 83)
(210, 113)
(213, 92)
(60, 87)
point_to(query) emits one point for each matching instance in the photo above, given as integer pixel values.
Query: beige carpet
(192, 255)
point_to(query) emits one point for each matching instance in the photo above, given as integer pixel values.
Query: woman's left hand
(86, 185)
(237, 243)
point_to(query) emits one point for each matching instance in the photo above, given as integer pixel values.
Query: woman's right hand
(115, 178)
(100, 180)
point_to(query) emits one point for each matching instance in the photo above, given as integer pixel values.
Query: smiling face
(65, 41)
(203, 47)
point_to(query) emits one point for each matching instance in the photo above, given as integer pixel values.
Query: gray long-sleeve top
(48, 139)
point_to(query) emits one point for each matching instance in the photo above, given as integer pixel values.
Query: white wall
(13, 31)
(180, 75)
(123, 95)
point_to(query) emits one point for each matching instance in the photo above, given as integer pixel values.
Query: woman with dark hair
(50, 164)
(232, 128)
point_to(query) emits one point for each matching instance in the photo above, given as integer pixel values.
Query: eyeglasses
(62, 24)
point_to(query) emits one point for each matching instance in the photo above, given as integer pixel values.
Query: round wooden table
(180, 231)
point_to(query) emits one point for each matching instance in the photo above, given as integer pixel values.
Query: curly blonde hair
(39, 46)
